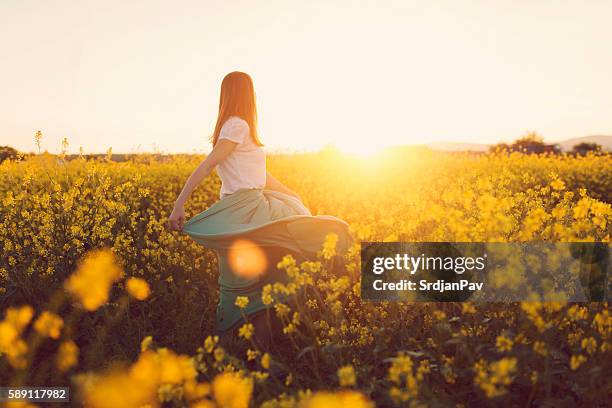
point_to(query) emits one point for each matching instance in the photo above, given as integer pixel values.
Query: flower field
(97, 295)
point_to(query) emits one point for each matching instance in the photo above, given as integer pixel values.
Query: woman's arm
(273, 184)
(222, 149)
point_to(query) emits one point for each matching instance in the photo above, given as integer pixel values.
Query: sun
(360, 150)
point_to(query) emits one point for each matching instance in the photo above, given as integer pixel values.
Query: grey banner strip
(485, 272)
(34, 394)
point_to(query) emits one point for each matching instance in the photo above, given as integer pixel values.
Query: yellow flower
(589, 344)
(19, 404)
(210, 342)
(219, 354)
(289, 379)
(203, 404)
(266, 295)
(138, 288)
(540, 348)
(576, 361)
(246, 331)
(346, 398)
(504, 343)
(151, 379)
(265, 361)
(241, 301)
(557, 184)
(576, 313)
(581, 210)
(19, 317)
(402, 364)
(468, 308)
(282, 309)
(8, 334)
(347, 376)
(94, 278)
(195, 390)
(252, 354)
(329, 246)
(174, 368)
(15, 320)
(287, 262)
(494, 378)
(49, 324)
(16, 354)
(145, 344)
(559, 211)
(439, 315)
(603, 322)
(290, 328)
(67, 355)
(232, 390)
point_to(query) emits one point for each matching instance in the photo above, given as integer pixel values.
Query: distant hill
(566, 145)
(604, 141)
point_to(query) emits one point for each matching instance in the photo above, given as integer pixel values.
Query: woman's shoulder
(235, 129)
(235, 122)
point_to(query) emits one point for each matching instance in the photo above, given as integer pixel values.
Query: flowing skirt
(274, 223)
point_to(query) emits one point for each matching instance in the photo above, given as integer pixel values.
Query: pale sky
(361, 75)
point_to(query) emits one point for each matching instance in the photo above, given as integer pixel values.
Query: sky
(145, 75)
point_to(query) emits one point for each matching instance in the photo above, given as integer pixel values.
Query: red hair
(237, 99)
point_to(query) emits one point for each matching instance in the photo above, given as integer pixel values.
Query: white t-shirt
(245, 167)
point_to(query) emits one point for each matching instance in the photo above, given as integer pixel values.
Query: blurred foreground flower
(49, 324)
(138, 288)
(94, 278)
(232, 390)
(67, 355)
(324, 399)
(11, 344)
(138, 385)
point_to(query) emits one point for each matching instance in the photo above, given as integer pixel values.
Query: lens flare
(246, 259)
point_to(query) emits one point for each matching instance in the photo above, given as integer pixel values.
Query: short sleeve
(235, 130)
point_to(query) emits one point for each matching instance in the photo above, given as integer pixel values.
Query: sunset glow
(144, 77)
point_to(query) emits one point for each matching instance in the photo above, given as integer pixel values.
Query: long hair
(237, 99)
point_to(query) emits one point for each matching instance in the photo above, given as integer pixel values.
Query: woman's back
(245, 167)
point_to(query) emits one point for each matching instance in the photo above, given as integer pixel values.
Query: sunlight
(366, 151)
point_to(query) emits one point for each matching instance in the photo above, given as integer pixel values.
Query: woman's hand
(176, 221)
(222, 149)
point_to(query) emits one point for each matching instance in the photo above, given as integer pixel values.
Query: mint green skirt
(278, 224)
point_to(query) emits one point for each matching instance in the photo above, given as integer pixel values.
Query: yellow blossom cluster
(11, 343)
(405, 378)
(83, 225)
(94, 278)
(494, 378)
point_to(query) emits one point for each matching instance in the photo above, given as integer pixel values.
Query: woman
(256, 221)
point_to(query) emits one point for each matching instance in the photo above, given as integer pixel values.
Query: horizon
(72, 152)
(410, 73)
